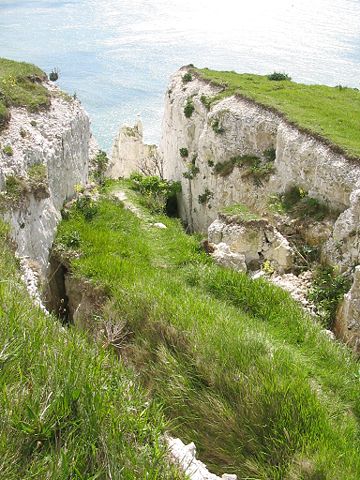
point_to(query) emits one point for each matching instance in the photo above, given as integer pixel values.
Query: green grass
(238, 366)
(241, 211)
(69, 408)
(20, 86)
(329, 112)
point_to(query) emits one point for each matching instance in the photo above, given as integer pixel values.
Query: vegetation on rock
(327, 112)
(20, 85)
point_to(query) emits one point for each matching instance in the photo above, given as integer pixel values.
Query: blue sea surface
(118, 55)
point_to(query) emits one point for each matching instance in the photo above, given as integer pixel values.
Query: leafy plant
(87, 206)
(206, 101)
(191, 172)
(54, 74)
(217, 127)
(100, 165)
(184, 152)
(278, 76)
(270, 154)
(187, 77)
(33, 123)
(189, 108)
(8, 150)
(206, 196)
(297, 203)
(327, 291)
(155, 191)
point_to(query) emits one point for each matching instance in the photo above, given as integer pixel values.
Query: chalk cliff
(203, 145)
(46, 154)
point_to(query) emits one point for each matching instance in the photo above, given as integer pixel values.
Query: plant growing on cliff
(37, 179)
(54, 74)
(206, 196)
(328, 289)
(270, 154)
(184, 152)
(8, 150)
(216, 126)
(278, 76)
(20, 85)
(191, 172)
(206, 101)
(187, 77)
(296, 202)
(189, 108)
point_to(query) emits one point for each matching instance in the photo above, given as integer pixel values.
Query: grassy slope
(19, 88)
(69, 409)
(330, 112)
(238, 366)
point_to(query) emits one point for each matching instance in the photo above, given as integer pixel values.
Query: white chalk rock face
(234, 127)
(347, 325)
(250, 242)
(185, 457)
(130, 154)
(226, 258)
(57, 138)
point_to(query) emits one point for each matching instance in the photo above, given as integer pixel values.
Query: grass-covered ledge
(332, 114)
(20, 86)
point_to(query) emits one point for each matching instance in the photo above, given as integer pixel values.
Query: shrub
(206, 101)
(191, 172)
(297, 203)
(15, 186)
(184, 152)
(54, 74)
(156, 192)
(189, 108)
(278, 76)
(270, 154)
(22, 133)
(187, 77)
(100, 165)
(217, 127)
(33, 123)
(37, 173)
(8, 150)
(87, 206)
(210, 163)
(327, 291)
(206, 196)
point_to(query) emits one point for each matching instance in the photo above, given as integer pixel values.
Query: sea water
(117, 55)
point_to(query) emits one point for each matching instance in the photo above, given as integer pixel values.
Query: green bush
(327, 291)
(270, 154)
(189, 108)
(54, 74)
(278, 76)
(206, 196)
(187, 77)
(87, 206)
(206, 101)
(8, 150)
(217, 127)
(184, 152)
(298, 204)
(155, 191)
(191, 172)
(100, 165)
